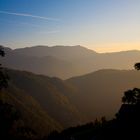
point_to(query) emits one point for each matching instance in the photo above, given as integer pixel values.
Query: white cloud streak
(29, 15)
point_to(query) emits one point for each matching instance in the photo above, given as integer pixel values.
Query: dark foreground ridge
(125, 125)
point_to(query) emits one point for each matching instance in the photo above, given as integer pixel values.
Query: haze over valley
(67, 61)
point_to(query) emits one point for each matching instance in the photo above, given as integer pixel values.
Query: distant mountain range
(54, 104)
(67, 61)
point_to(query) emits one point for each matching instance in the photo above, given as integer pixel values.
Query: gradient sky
(101, 25)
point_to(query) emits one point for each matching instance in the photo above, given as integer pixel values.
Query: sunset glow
(101, 25)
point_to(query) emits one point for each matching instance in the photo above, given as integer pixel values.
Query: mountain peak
(58, 51)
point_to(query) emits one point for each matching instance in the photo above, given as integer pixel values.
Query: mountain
(67, 61)
(31, 114)
(43, 99)
(61, 52)
(47, 65)
(100, 92)
(54, 104)
(55, 61)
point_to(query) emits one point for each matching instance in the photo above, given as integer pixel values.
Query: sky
(101, 25)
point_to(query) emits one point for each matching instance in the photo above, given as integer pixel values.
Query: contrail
(28, 15)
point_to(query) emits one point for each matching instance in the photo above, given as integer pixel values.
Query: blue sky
(102, 25)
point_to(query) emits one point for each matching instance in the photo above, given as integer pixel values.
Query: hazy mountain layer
(100, 92)
(89, 96)
(67, 61)
(43, 95)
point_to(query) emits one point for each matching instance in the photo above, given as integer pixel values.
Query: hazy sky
(102, 25)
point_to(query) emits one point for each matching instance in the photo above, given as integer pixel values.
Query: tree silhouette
(132, 96)
(2, 53)
(137, 66)
(137, 94)
(129, 97)
(3, 76)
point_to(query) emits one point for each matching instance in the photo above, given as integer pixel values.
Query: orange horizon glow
(114, 47)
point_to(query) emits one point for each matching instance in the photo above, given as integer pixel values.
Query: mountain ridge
(70, 102)
(65, 62)
(102, 90)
